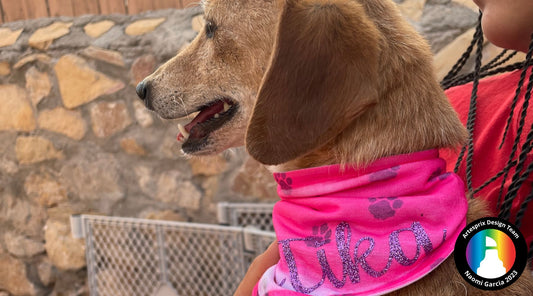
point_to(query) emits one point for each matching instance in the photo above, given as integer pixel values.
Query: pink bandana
(364, 231)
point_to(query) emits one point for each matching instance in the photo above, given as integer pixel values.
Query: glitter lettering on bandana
(350, 265)
(364, 230)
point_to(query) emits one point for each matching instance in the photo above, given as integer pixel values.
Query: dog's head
(298, 76)
(218, 74)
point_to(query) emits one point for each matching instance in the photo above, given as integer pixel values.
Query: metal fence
(127, 256)
(246, 214)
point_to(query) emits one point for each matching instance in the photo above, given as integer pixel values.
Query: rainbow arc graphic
(490, 253)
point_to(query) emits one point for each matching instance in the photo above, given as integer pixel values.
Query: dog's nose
(141, 90)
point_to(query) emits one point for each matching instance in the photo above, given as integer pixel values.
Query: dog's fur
(319, 82)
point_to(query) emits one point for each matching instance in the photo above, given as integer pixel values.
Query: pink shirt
(364, 231)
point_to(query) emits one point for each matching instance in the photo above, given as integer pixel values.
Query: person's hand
(260, 264)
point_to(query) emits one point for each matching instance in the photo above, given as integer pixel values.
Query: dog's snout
(141, 90)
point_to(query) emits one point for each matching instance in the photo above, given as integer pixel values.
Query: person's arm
(260, 264)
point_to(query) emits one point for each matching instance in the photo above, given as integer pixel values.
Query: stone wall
(75, 138)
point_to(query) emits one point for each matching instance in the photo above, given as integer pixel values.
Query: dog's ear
(323, 73)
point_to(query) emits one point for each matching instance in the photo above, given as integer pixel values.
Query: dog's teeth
(183, 132)
(217, 115)
(226, 106)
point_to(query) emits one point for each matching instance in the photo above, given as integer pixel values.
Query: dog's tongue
(203, 116)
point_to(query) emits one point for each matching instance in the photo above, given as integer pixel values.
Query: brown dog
(311, 83)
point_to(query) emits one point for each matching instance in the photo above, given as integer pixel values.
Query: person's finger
(260, 264)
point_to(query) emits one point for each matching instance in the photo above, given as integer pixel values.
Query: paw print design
(384, 174)
(321, 236)
(283, 181)
(384, 208)
(439, 175)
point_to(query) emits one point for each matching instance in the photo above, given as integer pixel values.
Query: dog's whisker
(187, 114)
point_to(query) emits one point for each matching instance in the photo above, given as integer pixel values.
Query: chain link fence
(246, 214)
(127, 256)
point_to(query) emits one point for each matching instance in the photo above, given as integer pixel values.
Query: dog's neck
(381, 133)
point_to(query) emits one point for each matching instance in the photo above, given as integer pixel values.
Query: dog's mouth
(211, 117)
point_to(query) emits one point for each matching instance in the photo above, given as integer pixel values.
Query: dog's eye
(210, 29)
